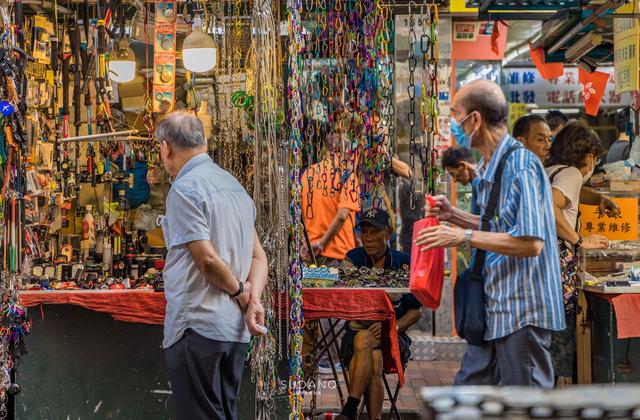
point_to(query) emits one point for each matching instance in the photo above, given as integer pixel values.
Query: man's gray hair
(182, 130)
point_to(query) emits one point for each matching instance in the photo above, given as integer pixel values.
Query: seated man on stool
(361, 343)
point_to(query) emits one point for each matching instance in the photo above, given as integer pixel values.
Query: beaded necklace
(295, 162)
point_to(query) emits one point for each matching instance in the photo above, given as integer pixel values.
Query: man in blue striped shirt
(521, 271)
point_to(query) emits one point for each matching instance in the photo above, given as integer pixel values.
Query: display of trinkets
(319, 276)
(355, 277)
(374, 277)
(91, 280)
(603, 262)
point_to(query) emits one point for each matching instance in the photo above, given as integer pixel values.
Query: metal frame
(329, 339)
(526, 5)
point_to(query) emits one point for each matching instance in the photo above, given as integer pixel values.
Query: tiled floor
(417, 375)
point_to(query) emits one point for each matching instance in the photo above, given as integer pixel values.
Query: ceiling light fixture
(199, 50)
(122, 66)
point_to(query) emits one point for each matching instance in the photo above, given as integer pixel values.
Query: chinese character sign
(626, 35)
(525, 85)
(621, 228)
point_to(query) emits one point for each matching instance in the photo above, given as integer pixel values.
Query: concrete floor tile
(418, 375)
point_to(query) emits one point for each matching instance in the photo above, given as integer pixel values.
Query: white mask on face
(589, 174)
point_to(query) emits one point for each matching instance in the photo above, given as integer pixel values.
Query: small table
(352, 304)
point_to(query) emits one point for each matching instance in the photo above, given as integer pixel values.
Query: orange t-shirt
(325, 202)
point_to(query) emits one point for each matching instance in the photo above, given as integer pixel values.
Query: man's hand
(439, 237)
(595, 242)
(608, 206)
(376, 330)
(317, 248)
(374, 338)
(304, 254)
(245, 296)
(400, 168)
(254, 317)
(442, 209)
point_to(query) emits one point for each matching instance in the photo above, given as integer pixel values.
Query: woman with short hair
(572, 159)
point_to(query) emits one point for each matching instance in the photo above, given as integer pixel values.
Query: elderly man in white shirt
(214, 276)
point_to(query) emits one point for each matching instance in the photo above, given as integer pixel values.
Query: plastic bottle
(89, 227)
(107, 253)
(123, 203)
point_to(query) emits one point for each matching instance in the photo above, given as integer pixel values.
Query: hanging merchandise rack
(85, 81)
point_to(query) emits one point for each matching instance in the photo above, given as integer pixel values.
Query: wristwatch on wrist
(239, 292)
(578, 243)
(468, 233)
(319, 245)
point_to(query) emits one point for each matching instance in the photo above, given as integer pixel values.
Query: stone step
(428, 348)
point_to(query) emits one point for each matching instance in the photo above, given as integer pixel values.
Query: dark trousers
(521, 358)
(205, 377)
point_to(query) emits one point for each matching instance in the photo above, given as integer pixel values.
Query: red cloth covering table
(627, 309)
(352, 304)
(626, 305)
(148, 307)
(143, 306)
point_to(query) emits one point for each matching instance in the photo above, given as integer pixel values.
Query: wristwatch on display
(468, 233)
(578, 243)
(239, 292)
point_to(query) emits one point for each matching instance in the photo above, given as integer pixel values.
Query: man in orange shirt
(330, 201)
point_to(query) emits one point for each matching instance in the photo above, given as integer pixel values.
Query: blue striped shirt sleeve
(523, 210)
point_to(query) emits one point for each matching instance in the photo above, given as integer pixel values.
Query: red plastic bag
(427, 267)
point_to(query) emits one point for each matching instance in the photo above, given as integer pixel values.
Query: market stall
(84, 187)
(608, 324)
(279, 87)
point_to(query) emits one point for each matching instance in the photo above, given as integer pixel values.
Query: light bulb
(199, 52)
(122, 67)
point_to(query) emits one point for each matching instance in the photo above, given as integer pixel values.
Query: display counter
(85, 362)
(609, 335)
(609, 321)
(97, 353)
(143, 306)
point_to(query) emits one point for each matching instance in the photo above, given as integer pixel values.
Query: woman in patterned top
(572, 159)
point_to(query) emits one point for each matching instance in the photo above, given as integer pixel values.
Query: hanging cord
(411, 92)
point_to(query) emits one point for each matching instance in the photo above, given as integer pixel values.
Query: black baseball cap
(378, 218)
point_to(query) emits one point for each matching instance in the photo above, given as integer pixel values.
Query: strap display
(164, 56)
(492, 209)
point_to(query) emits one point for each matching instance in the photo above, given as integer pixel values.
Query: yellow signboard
(516, 110)
(631, 7)
(621, 228)
(626, 41)
(459, 6)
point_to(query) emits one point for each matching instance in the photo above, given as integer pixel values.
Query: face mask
(589, 174)
(461, 137)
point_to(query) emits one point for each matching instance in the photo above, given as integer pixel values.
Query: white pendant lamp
(122, 66)
(199, 50)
